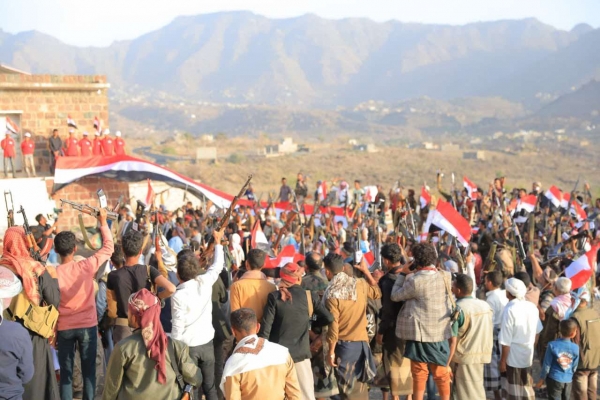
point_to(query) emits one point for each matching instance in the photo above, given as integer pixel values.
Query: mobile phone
(102, 198)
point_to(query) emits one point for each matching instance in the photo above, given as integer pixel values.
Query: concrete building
(474, 155)
(287, 146)
(206, 153)
(39, 103)
(367, 148)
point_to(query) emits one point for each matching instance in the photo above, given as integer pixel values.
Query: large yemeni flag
(566, 197)
(470, 186)
(582, 269)
(554, 195)
(448, 219)
(425, 197)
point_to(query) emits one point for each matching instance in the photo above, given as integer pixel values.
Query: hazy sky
(100, 22)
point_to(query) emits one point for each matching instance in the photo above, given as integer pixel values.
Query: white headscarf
(10, 286)
(236, 250)
(516, 287)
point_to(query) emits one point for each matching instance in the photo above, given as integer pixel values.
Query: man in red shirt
(8, 147)
(28, 148)
(85, 145)
(72, 145)
(108, 146)
(119, 144)
(97, 145)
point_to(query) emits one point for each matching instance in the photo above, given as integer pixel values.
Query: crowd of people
(73, 146)
(378, 299)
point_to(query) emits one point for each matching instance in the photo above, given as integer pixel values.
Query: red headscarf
(145, 308)
(290, 275)
(16, 257)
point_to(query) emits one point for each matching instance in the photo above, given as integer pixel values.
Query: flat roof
(5, 69)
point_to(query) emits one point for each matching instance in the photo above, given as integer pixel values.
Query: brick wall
(84, 192)
(47, 100)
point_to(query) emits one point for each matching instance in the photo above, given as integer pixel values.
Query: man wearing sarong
(257, 369)
(497, 300)
(518, 330)
(349, 352)
(396, 367)
(474, 346)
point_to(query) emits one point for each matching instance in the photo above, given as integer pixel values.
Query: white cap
(71, 131)
(107, 131)
(118, 134)
(97, 133)
(27, 134)
(85, 133)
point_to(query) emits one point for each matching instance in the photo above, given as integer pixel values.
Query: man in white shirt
(191, 308)
(518, 331)
(496, 298)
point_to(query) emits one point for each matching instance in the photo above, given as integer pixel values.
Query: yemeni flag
(425, 197)
(555, 196)
(11, 126)
(97, 124)
(286, 255)
(527, 203)
(564, 203)
(445, 217)
(322, 191)
(258, 240)
(70, 122)
(578, 211)
(582, 269)
(150, 194)
(471, 187)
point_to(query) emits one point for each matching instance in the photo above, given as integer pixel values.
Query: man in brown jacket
(253, 288)
(349, 352)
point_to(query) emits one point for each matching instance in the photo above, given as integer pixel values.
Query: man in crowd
(16, 351)
(108, 146)
(474, 346)
(585, 381)
(78, 323)
(72, 145)
(191, 307)
(28, 148)
(519, 327)
(253, 288)
(346, 299)
(119, 144)
(301, 189)
(8, 148)
(395, 366)
(285, 192)
(55, 146)
(314, 279)
(497, 300)
(257, 369)
(85, 146)
(129, 279)
(97, 144)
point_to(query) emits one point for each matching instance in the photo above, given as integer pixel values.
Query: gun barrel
(93, 211)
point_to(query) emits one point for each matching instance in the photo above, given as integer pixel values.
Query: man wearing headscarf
(236, 250)
(42, 289)
(287, 319)
(518, 331)
(140, 365)
(16, 351)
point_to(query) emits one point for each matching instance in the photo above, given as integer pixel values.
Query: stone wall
(45, 101)
(84, 192)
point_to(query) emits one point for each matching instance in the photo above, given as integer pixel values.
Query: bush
(168, 150)
(236, 158)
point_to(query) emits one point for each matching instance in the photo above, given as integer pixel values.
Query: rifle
(287, 227)
(10, 211)
(222, 222)
(34, 250)
(89, 210)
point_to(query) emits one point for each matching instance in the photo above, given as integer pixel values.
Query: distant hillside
(583, 103)
(309, 61)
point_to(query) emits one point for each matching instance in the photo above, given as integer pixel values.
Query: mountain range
(241, 57)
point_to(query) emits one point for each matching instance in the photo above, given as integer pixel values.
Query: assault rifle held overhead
(89, 210)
